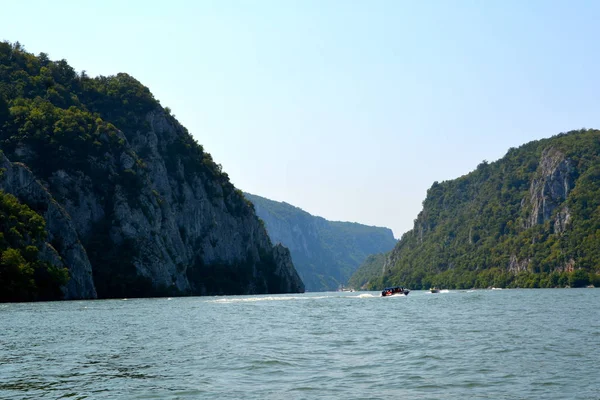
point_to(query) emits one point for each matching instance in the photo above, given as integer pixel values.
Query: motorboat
(395, 291)
(434, 290)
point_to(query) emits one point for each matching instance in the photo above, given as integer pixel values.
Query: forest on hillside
(92, 139)
(530, 219)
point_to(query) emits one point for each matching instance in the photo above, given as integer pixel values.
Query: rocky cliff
(134, 205)
(529, 219)
(369, 271)
(63, 248)
(549, 188)
(325, 253)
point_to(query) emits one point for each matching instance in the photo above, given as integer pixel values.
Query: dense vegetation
(370, 269)
(483, 229)
(23, 277)
(325, 253)
(53, 118)
(75, 120)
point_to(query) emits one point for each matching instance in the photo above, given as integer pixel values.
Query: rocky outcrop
(515, 265)
(179, 220)
(550, 188)
(563, 217)
(285, 268)
(161, 224)
(63, 248)
(134, 206)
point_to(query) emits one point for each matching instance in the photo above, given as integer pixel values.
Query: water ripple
(474, 344)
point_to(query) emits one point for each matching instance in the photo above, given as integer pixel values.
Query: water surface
(485, 344)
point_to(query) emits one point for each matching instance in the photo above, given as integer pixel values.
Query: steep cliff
(63, 248)
(325, 253)
(137, 202)
(549, 188)
(530, 219)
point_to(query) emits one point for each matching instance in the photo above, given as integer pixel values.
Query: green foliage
(579, 278)
(369, 272)
(472, 229)
(52, 118)
(70, 122)
(63, 118)
(23, 277)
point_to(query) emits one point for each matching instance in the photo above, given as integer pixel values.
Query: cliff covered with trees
(530, 219)
(369, 272)
(325, 253)
(132, 205)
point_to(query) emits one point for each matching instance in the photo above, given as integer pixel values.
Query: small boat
(434, 290)
(395, 291)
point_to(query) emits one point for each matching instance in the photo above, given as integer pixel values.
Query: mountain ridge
(529, 219)
(154, 213)
(325, 253)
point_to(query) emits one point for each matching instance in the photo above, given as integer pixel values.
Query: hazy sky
(349, 110)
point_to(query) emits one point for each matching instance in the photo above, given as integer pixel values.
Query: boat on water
(395, 291)
(434, 290)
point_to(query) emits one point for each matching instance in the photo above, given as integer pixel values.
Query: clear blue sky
(347, 109)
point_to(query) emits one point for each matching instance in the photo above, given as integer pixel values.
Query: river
(475, 344)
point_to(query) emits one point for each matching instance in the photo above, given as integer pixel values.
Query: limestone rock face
(563, 217)
(515, 265)
(297, 233)
(63, 248)
(154, 221)
(550, 188)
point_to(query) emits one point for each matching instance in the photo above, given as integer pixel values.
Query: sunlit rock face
(550, 188)
(148, 219)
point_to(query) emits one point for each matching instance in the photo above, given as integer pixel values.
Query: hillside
(325, 253)
(132, 204)
(530, 219)
(368, 272)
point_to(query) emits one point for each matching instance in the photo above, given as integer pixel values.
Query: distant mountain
(104, 194)
(530, 219)
(325, 253)
(369, 271)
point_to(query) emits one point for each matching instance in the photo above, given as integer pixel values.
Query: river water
(483, 344)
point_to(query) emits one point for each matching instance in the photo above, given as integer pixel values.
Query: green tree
(579, 278)
(23, 277)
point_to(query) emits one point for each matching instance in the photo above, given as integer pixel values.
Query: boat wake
(254, 299)
(265, 298)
